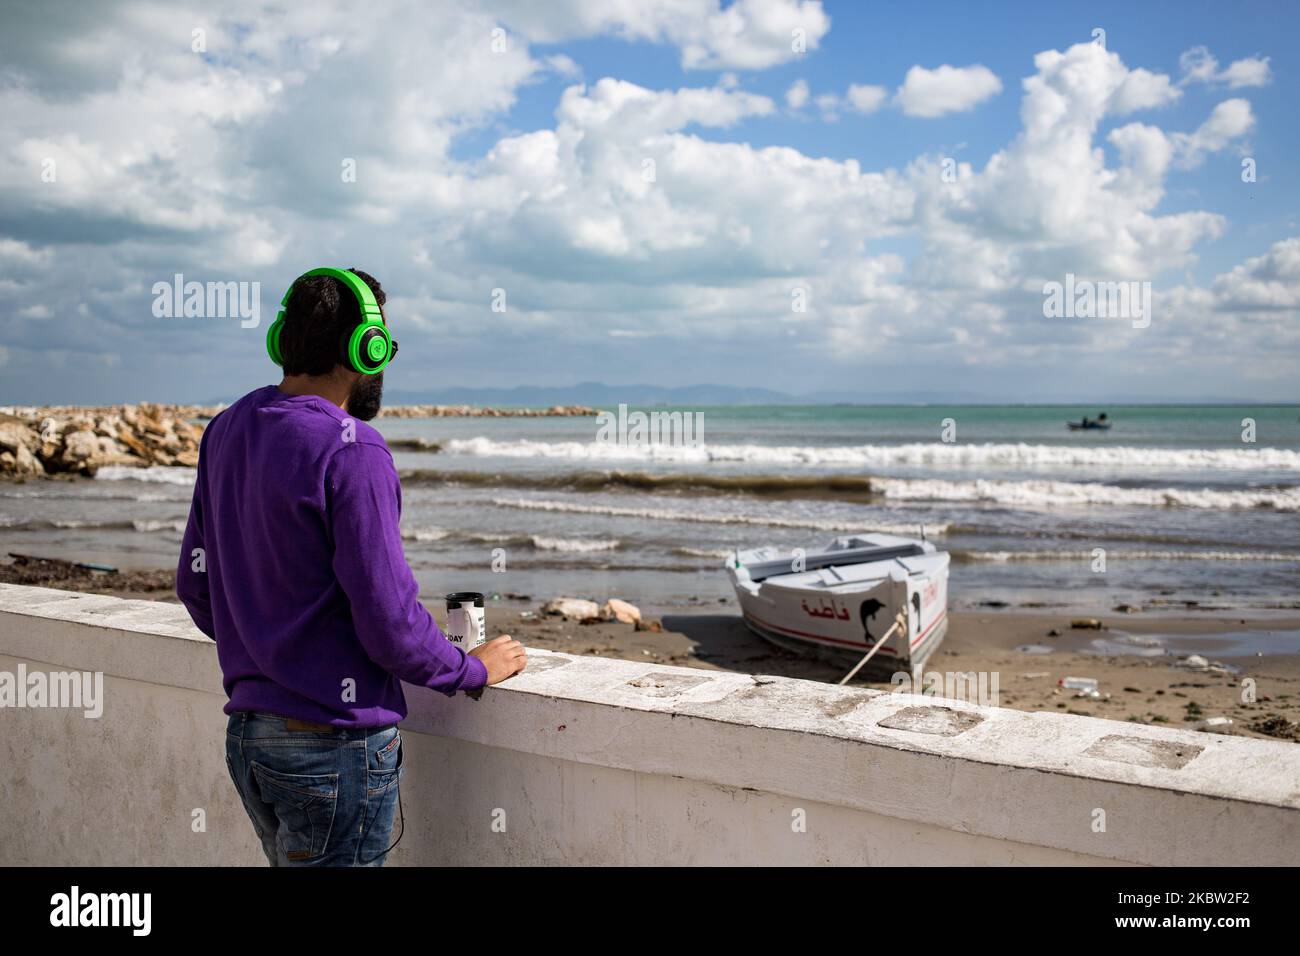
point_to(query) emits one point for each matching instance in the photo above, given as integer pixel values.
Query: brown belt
(293, 723)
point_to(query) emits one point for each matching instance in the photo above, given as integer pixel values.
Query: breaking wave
(704, 552)
(1121, 555)
(1030, 493)
(698, 517)
(75, 524)
(955, 455)
(169, 474)
(531, 541)
(1037, 494)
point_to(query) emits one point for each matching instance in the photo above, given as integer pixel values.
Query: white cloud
(1266, 283)
(858, 99)
(745, 35)
(1142, 90)
(1230, 120)
(1048, 199)
(618, 103)
(617, 222)
(564, 66)
(754, 34)
(15, 253)
(1198, 65)
(829, 105)
(1248, 72)
(866, 99)
(946, 89)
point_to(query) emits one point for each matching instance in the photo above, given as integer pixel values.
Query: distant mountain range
(600, 395)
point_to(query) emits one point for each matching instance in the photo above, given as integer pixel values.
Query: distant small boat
(845, 597)
(1100, 423)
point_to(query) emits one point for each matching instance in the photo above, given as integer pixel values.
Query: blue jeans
(316, 797)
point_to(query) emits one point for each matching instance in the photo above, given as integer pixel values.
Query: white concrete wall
(588, 760)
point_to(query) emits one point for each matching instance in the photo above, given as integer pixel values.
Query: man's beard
(366, 396)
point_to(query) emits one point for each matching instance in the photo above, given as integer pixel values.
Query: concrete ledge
(588, 760)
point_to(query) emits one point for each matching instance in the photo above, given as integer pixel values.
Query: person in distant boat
(1101, 419)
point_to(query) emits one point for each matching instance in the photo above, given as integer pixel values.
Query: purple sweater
(292, 562)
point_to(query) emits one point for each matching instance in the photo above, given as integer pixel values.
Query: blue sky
(877, 43)
(521, 168)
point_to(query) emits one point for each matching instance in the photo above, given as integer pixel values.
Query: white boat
(841, 599)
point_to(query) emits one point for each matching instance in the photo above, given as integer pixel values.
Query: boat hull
(840, 612)
(883, 666)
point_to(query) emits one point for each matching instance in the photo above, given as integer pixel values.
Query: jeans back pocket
(304, 804)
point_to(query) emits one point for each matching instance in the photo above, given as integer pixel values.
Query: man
(292, 562)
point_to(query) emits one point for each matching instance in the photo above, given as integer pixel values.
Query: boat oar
(899, 621)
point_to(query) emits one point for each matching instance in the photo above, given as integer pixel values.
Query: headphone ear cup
(273, 340)
(370, 348)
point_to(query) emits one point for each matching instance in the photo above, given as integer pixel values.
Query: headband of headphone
(368, 349)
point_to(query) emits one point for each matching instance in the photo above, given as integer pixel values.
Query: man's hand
(503, 656)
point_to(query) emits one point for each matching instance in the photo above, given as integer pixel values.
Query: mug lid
(457, 598)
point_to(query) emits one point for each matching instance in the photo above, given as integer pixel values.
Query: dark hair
(318, 318)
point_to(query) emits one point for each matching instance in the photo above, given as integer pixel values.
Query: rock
(82, 440)
(1054, 632)
(16, 444)
(573, 609)
(25, 463)
(1127, 609)
(650, 624)
(15, 435)
(1086, 624)
(130, 441)
(79, 446)
(621, 611)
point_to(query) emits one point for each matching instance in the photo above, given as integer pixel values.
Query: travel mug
(466, 627)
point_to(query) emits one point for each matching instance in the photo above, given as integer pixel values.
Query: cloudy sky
(805, 196)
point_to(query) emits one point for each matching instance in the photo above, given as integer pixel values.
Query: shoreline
(1143, 689)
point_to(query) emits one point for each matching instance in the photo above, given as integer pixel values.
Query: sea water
(1172, 507)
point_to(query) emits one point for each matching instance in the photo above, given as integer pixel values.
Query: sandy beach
(1134, 688)
(1028, 651)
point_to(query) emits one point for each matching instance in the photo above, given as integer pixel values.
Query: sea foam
(716, 517)
(937, 454)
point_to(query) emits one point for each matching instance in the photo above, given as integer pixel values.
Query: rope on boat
(900, 620)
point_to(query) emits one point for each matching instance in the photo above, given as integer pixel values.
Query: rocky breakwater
(74, 440)
(58, 440)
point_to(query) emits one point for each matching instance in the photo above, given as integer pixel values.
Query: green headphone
(368, 349)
